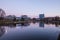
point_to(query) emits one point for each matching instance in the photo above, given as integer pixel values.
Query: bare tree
(2, 14)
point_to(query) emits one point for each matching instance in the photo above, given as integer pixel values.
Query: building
(41, 16)
(10, 17)
(18, 18)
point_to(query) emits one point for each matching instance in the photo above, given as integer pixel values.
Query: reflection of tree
(58, 37)
(2, 31)
(56, 24)
(34, 22)
(2, 28)
(24, 24)
(11, 25)
(8, 25)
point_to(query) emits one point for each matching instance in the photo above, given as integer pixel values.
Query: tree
(22, 19)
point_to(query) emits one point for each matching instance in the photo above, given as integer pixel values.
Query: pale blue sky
(31, 8)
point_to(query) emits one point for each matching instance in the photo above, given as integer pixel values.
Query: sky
(32, 8)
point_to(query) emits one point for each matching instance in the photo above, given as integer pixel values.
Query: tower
(41, 16)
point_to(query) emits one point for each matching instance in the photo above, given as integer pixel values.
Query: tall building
(41, 16)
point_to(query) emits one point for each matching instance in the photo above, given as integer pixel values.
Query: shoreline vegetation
(26, 19)
(34, 20)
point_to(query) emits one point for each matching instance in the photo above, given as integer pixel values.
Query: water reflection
(57, 24)
(58, 37)
(2, 31)
(31, 32)
(23, 24)
(8, 25)
(41, 24)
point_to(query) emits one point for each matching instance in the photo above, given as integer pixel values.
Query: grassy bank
(12, 22)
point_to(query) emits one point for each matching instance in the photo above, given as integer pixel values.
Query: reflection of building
(41, 24)
(41, 16)
(2, 13)
(2, 31)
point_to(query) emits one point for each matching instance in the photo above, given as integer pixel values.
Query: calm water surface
(29, 31)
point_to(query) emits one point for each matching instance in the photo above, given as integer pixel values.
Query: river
(30, 31)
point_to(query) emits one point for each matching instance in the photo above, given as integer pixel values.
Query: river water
(30, 31)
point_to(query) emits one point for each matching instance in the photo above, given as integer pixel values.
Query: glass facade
(41, 16)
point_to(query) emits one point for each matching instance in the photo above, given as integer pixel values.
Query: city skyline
(31, 8)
